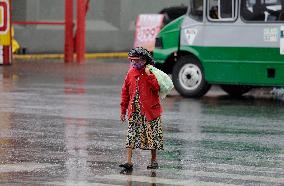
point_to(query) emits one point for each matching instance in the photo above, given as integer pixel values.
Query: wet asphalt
(60, 126)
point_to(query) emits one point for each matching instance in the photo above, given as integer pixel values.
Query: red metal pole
(69, 44)
(7, 49)
(80, 32)
(7, 54)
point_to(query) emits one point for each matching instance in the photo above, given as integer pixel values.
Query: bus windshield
(196, 9)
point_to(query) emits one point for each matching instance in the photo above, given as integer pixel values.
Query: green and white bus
(237, 44)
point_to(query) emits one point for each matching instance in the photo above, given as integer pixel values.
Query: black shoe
(153, 165)
(127, 166)
(126, 171)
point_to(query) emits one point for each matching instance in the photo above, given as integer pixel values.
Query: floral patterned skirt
(143, 134)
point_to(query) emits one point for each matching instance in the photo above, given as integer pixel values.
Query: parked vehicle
(237, 44)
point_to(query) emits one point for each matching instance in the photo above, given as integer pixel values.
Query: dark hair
(142, 53)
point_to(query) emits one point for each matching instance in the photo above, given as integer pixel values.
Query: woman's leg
(129, 155)
(128, 165)
(153, 164)
(153, 155)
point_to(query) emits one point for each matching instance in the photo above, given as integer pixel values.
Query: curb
(61, 56)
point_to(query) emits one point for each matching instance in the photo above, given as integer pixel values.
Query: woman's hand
(122, 118)
(147, 70)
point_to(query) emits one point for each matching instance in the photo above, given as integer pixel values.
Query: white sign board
(147, 28)
(270, 34)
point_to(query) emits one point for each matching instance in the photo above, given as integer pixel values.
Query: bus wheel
(188, 77)
(236, 90)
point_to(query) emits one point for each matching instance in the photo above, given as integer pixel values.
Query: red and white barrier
(5, 32)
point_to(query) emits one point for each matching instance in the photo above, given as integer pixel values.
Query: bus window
(262, 10)
(213, 9)
(221, 10)
(227, 9)
(196, 9)
(173, 12)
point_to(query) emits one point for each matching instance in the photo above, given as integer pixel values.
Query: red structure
(7, 55)
(5, 32)
(82, 6)
(72, 44)
(80, 37)
(69, 44)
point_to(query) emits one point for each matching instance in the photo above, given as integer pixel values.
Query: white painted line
(146, 179)
(265, 179)
(23, 167)
(240, 168)
(79, 183)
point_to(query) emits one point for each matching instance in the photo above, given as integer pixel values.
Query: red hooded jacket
(148, 91)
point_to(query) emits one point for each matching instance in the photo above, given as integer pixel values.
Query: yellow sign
(5, 35)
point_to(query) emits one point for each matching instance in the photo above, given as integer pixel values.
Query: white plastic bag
(165, 82)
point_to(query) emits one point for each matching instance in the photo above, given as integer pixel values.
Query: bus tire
(188, 77)
(236, 90)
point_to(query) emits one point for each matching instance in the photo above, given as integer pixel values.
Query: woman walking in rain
(140, 99)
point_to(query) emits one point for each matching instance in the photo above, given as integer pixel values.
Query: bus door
(221, 38)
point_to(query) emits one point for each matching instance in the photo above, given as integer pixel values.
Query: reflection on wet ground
(60, 126)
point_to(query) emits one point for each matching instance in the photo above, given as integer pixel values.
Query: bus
(237, 44)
